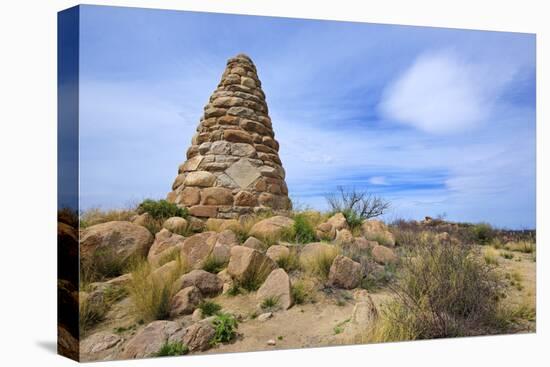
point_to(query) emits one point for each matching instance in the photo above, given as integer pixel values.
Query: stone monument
(233, 165)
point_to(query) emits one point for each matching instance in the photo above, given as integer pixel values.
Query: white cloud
(441, 93)
(378, 180)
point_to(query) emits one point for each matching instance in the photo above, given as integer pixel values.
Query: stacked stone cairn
(233, 166)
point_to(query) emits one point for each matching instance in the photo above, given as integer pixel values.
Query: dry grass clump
(441, 291)
(521, 246)
(490, 255)
(105, 263)
(92, 310)
(95, 216)
(303, 291)
(289, 262)
(151, 293)
(319, 264)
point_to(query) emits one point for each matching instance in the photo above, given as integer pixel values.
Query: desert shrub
(521, 246)
(320, 263)
(209, 308)
(213, 264)
(161, 209)
(225, 326)
(357, 206)
(172, 349)
(104, 263)
(302, 292)
(269, 303)
(114, 294)
(151, 294)
(375, 280)
(91, 311)
(405, 237)
(483, 233)
(507, 255)
(95, 216)
(289, 262)
(490, 255)
(304, 232)
(442, 291)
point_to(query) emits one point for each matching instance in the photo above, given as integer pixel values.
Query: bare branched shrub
(357, 206)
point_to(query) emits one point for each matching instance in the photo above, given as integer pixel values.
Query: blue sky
(435, 120)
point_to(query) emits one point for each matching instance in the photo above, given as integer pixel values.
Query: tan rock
(254, 243)
(198, 247)
(209, 284)
(204, 211)
(122, 240)
(365, 313)
(216, 196)
(245, 198)
(277, 286)
(150, 339)
(185, 301)
(277, 252)
(384, 255)
(344, 236)
(100, 342)
(237, 136)
(246, 262)
(198, 337)
(271, 227)
(165, 242)
(189, 196)
(376, 230)
(200, 178)
(312, 250)
(345, 273)
(175, 224)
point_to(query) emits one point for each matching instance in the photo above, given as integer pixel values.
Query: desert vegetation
(217, 278)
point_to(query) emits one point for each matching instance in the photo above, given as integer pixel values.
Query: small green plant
(483, 233)
(338, 329)
(304, 231)
(234, 290)
(225, 326)
(353, 219)
(280, 337)
(209, 308)
(161, 209)
(213, 265)
(172, 349)
(270, 303)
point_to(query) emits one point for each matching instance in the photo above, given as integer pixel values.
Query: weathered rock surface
(378, 231)
(271, 227)
(198, 336)
(185, 301)
(384, 255)
(233, 166)
(365, 312)
(198, 247)
(345, 273)
(124, 240)
(254, 243)
(165, 243)
(175, 225)
(150, 339)
(276, 286)
(100, 342)
(246, 262)
(312, 250)
(329, 228)
(277, 252)
(209, 284)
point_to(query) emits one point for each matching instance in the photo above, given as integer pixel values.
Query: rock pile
(233, 166)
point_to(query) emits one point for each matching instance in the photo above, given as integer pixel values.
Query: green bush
(161, 209)
(483, 233)
(270, 303)
(225, 326)
(441, 291)
(303, 229)
(172, 349)
(353, 219)
(209, 308)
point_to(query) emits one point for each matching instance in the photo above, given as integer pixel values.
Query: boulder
(344, 236)
(209, 284)
(198, 247)
(361, 244)
(100, 342)
(246, 262)
(384, 255)
(185, 301)
(312, 250)
(166, 272)
(124, 240)
(151, 338)
(165, 243)
(344, 273)
(277, 285)
(175, 224)
(329, 228)
(254, 243)
(338, 221)
(216, 196)
(227, 237)
(271, 227)
(277, 252)
(378, 231)
(198, 337)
